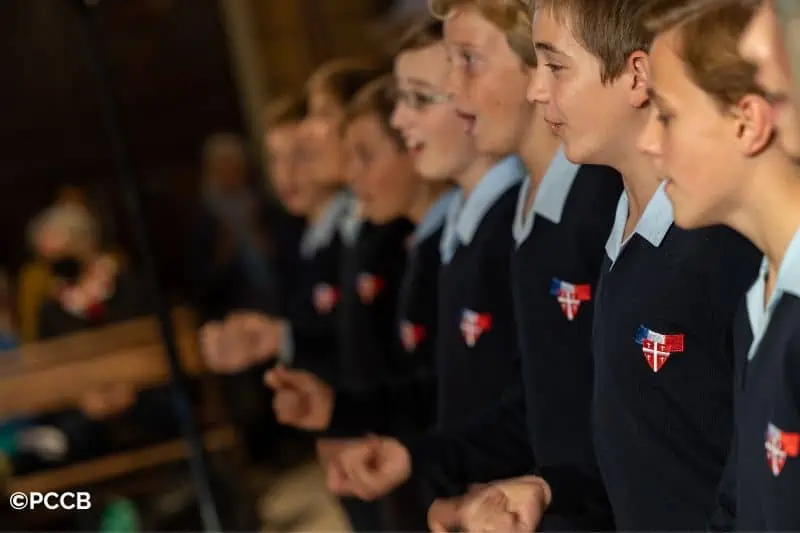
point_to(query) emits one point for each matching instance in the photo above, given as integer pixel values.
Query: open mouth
(414, 147)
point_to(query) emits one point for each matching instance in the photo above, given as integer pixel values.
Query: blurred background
(190, 79)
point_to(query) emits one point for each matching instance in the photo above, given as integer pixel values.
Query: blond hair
(513, 17)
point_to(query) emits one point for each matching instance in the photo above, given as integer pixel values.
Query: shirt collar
(434, 217)
(550, 197)
(351, 222)
(653, 226)
(788, 282)
(319, 235)
(464, 216)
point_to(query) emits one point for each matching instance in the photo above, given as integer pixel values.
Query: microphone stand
(132, 201)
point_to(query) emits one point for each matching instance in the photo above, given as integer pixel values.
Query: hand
(515, 505)
(258, 336)
(373, 468)
(444, 514)
(242, 340)
(301, 399)
(105, 402)
(219, 353)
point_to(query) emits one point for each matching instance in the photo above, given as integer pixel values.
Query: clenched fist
(301, 399)
(244, 339)
(515, 506)
(372, 468)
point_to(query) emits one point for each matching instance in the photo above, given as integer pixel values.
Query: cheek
(444, 132)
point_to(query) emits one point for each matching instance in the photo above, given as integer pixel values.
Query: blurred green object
(120, 516)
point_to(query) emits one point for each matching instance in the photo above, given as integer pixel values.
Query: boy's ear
(638, 68)
(754, 126)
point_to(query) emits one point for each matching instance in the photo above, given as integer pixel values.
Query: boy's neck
(427, 195)
(774, 218)
(473, 174)
(641, 181)
(317, 212)
(537, 151)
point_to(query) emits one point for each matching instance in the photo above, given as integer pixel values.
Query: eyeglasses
(418, 100)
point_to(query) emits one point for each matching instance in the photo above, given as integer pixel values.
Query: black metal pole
(132, 201)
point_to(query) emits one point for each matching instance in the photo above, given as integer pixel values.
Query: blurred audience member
(34, 277)
(228, 256)
(87, 287)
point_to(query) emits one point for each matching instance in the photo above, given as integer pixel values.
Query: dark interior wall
(172, 77)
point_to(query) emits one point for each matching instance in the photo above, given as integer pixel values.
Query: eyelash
(663, 118)
(553, 67)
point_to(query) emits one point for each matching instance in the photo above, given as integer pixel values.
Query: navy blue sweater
(407, 404)
(557, 259)
(312, 309)
(762, 478)
(664, 369)
(371, 272)
(476, 346)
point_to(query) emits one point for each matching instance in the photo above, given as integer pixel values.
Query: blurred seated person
(89, 289)
(229, 257)
(34, 276)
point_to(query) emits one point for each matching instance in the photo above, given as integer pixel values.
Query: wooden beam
(49, 375)
(105, 468)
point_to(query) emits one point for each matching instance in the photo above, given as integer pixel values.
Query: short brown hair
(513, 17)
(375, 98)
(286, 109)
(422, 33)
(611, 30)
(344, 77)
(709, 33)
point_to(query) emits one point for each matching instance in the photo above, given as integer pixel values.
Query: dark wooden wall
(173, 77)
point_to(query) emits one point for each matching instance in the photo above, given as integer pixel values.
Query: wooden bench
(50, 375)
(104, 468)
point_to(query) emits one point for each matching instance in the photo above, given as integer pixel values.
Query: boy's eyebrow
(544, 46)
(420, 83)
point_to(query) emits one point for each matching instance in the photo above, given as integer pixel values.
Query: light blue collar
(434, 217)
(653, 226)
(464, 216)
(319, 235)
(350, 223)
(550, 197)
(788, 282)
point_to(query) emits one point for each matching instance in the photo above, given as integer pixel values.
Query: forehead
(665, 58)
(425, 65)
(466, 26)
(669, 79)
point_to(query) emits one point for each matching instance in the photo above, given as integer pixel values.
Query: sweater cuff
(347, 419)
(575, 494)
(287, 351)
